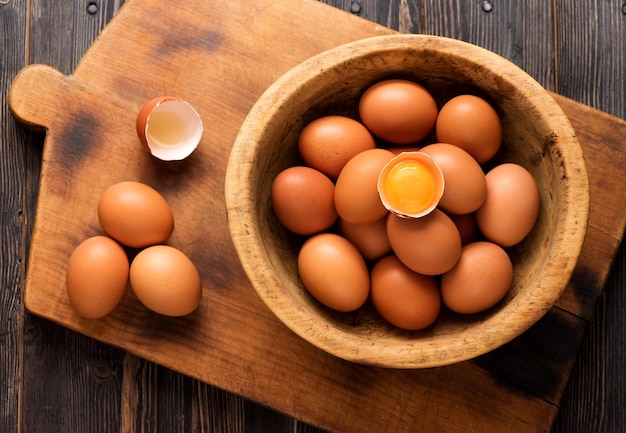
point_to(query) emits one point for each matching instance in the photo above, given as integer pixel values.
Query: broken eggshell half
(169, 127)
(411, 184)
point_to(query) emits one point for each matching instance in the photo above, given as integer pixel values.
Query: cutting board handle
(36, 95)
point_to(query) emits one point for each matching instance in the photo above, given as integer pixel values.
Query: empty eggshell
(169, 127)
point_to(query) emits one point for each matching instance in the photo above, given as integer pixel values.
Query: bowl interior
(537, 135)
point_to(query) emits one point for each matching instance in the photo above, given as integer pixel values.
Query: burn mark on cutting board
(77, 137)
(202, 40)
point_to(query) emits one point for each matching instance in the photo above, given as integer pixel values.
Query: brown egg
(398, 149)
(467, 225)
(334, 272)
(96, 276)
(404, 298)
(303, 200)
(511, 207)
(356, 194)
(465, 184)
(370, 239)
(135, 214)
(472, 124)
(430, 245)
(398, 111)
(329, 142)
(479, 280)
(166, 281)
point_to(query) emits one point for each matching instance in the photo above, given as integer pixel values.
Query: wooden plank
(70, 383)
(139, 411)
(591, 68)
(67, 387)
(538, 361)
(605, 158)
(13, 22)
(594, 30)
(521, 31)
(186, 404)
(404, 16)
(594, 398)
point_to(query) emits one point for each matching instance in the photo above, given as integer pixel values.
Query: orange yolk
(410, 187)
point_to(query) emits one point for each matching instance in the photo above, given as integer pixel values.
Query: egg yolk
(410, 187)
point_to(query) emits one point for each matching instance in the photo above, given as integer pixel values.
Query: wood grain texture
(60, 34)
(13, 22)
(594, 399)
(595, 31)
(404, 16)
(84, 378)
(521, 32)
(139, 404)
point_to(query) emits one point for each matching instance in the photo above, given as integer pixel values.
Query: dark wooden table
(55, 380)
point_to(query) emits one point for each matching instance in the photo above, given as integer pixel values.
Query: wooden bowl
(537, 135)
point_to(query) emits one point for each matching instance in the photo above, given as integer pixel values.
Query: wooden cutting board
(221, 56)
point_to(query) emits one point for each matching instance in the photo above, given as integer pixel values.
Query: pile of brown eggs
(137, 222)
(409, 264)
